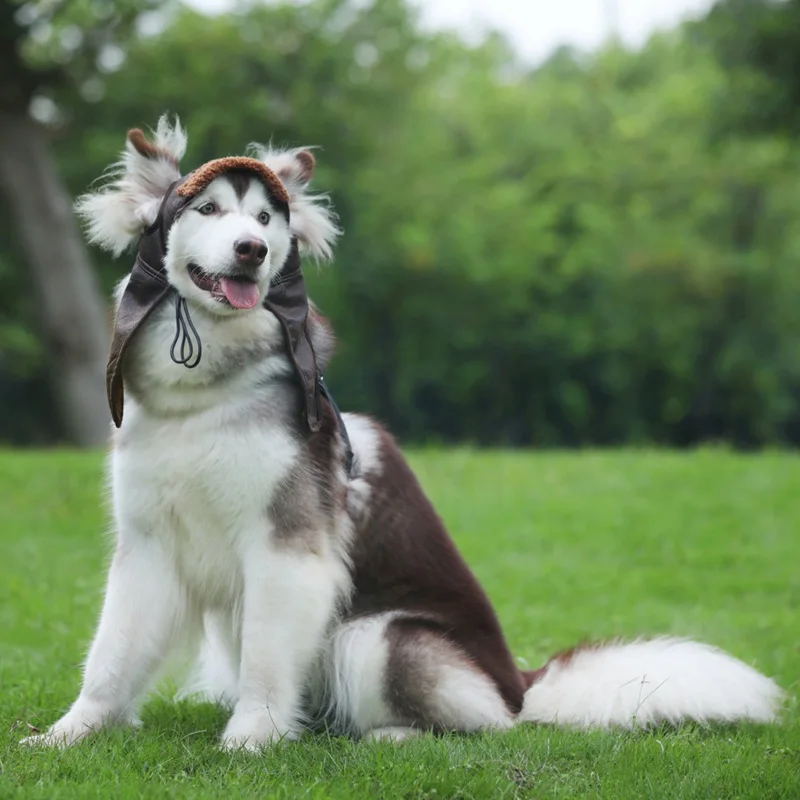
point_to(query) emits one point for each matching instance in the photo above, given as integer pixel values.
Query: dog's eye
(263, 217)
(207, 208)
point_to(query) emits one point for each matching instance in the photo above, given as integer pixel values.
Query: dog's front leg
(289, 596)
(136, 626)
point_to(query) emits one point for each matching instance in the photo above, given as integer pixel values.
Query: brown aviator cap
(148, 286)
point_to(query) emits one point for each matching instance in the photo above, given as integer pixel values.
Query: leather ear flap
(147, 287)
(145, 291)
(287, 299)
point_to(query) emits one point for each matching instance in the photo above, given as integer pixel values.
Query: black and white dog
(315, 591)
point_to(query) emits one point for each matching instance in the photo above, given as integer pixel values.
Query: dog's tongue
(240, 294)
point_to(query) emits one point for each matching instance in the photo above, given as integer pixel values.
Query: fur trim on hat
(203, 176)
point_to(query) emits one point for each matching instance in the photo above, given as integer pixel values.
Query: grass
(569, 546)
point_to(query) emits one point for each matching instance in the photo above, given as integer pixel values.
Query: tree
(596, 251)
(758, 44)
(44, 45)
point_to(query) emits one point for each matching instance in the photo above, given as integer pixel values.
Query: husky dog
(293, 547)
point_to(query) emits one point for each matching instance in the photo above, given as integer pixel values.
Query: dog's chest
(204, 490)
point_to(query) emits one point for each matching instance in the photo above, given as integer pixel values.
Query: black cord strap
(183, 324)
(348, 463)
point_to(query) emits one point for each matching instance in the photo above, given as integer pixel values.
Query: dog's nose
(250, 252)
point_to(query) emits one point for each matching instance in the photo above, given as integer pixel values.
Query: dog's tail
(647, 683)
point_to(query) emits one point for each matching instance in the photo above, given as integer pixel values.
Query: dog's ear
(118, 212)
(297, 167)
(311, 218)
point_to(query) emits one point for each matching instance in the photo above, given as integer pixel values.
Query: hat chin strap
(189, 342)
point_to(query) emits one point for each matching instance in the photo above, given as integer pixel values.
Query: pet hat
(148, 287)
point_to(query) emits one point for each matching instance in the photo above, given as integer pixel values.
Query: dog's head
(231, 236)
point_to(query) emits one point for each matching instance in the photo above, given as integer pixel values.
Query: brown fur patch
(307, 165)
(411, 671)
(418, 651)
(308, 500)
(146, 148)
(202, 176)
(296, 512)
(301, 169)
(404, 559)
(564, 658)
(324, 449)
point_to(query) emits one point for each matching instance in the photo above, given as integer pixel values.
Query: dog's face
(226, 245)
(230, 241)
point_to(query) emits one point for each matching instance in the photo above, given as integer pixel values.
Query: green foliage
(49, 45)
(570, 255)
(758, 42)
(568, 547)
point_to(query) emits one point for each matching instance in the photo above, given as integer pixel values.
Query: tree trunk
(71, 313)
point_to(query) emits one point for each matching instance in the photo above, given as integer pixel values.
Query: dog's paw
(390, 734)
(255, 730)
(71, 728)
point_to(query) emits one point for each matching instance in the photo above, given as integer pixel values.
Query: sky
(537, 27)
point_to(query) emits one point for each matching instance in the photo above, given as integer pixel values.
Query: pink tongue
(240, 294)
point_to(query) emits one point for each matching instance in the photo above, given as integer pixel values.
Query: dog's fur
(313, 597)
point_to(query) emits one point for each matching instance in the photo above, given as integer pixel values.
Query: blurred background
(566, 224)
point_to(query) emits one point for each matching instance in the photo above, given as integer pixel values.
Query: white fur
(391, 733)
(466, 700)
(117, 214)
(312, 220)
(644, 683)
(215, 674)
(356, 672)
(365, 441)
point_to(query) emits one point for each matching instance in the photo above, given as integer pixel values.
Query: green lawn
(569, 546)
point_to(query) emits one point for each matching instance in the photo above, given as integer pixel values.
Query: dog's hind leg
(215, 674)
(391, 676)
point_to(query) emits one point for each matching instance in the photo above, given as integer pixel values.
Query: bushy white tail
(645, 683)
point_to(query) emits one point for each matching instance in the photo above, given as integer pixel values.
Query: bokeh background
(577, 229)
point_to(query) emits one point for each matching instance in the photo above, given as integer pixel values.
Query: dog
(291, 546)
